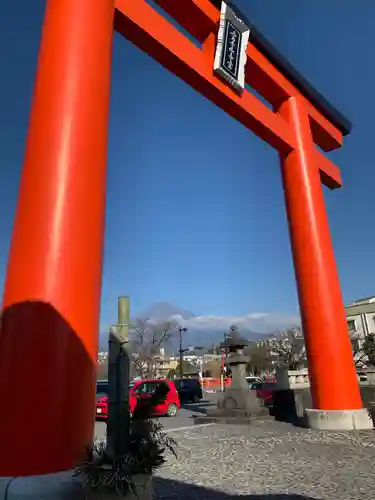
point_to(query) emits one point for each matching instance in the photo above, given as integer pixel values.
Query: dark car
(190, 390)
(254, 386)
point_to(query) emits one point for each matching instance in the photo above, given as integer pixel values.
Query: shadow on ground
(165, 489)
(284, 409)
(202, 407)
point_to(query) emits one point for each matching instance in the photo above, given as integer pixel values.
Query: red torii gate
(48, 341)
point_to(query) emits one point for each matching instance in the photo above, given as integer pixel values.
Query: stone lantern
(237, 404)
(234, 346)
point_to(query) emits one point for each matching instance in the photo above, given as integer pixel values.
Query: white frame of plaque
(227, 14)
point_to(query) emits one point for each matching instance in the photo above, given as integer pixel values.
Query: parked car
(252, 380)
(265, 392)
(254, 386)
(141, 390)
(190, 391)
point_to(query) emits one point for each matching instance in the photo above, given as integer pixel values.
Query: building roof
(364, 300)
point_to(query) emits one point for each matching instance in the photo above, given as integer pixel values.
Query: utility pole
(222, 369)
(118, 424)
(181, 330)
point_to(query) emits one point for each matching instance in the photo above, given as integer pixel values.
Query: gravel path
(268, 460)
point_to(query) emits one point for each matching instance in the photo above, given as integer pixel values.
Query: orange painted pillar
(49, 330)
(332, 372)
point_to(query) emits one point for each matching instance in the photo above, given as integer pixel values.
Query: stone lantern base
(235, 406)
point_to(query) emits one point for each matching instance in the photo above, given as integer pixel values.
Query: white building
(360, 317)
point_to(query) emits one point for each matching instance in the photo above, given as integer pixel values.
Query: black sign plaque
(230, 58)
(231, 44)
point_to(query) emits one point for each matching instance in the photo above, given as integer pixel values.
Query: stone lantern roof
(234, 340)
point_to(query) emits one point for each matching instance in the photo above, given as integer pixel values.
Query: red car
(265, 392)
(140, 390)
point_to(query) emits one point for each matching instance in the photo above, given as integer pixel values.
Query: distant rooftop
(364, 300)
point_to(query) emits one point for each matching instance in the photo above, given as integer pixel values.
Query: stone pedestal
(339, 420)
(63, 486)
(237, 406)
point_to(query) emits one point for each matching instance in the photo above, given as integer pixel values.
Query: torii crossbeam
(51, 304)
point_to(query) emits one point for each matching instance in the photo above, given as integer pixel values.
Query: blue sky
(190, 220)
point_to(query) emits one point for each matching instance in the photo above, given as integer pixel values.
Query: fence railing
(214, 383)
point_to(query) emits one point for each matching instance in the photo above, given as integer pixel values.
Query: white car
(249, 380)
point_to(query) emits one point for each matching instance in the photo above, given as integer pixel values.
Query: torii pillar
(334, 386)
(51, 303)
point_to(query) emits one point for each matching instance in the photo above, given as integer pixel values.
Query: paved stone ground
(184, 418)
(268, 460)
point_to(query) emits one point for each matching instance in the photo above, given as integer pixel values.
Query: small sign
(230, 58)
(230, 55)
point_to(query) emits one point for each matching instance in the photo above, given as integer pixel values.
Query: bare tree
(288, 348)
(260, 360)
(102, 370)
(363, 348)
(369, 348)
(360, 357)
(212, 369)
(187, 368)
(147, 339)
